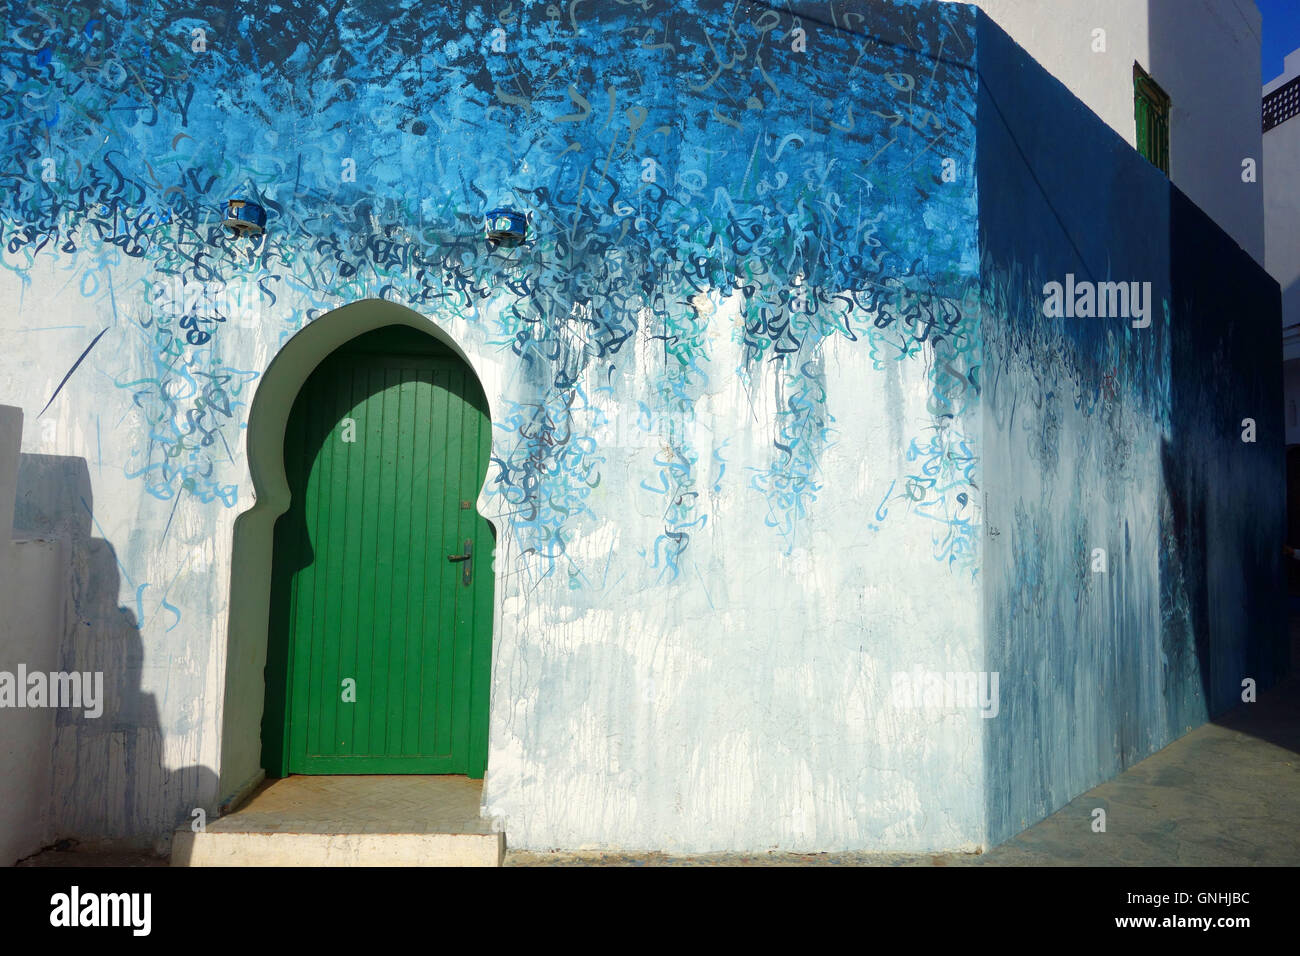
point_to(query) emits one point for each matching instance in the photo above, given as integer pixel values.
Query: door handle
(467, 558)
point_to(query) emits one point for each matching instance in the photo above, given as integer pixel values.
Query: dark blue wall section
(1221, 564)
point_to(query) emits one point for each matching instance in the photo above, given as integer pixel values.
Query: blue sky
(1281, 33)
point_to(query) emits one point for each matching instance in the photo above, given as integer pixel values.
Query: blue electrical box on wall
(506, 227)
(244, 217)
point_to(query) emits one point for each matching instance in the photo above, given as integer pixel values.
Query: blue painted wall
(1098, 434)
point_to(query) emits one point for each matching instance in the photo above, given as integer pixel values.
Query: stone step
(349, 821)
(337, 849)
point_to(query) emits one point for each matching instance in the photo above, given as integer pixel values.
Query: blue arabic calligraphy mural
(793, 164)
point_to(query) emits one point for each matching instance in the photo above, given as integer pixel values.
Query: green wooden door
(380, 643)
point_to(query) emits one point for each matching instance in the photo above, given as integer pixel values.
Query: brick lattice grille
(1282, 104)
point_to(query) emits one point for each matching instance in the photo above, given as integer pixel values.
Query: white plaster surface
(746, 704)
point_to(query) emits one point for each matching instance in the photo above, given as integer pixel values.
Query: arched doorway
(380, 631)
(248, 622)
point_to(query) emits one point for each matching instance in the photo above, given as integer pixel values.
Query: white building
(1281, 214)
(1205, 54)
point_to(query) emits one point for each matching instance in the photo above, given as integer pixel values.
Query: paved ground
(72, 853)
(1227, 793)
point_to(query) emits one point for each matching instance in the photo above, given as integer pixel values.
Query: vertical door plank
(402, 424)
(419, 557)
(444, 638)
(465, 480)
(334, 459)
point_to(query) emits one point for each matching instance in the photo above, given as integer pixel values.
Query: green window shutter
(1151, 115)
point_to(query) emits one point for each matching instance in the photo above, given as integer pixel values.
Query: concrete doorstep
(349, 821)
(336, 849)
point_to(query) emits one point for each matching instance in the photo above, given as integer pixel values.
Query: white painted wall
(151, 755)
(623, 708)
(1204, 53)
(32, 592)
(695, 719)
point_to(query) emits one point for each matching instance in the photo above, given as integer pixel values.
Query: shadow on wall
(1227, 496)
(292, 538)
(1226, 374)
(99, 760)
(1293, 527)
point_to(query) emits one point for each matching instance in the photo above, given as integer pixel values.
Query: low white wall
(32, 589)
